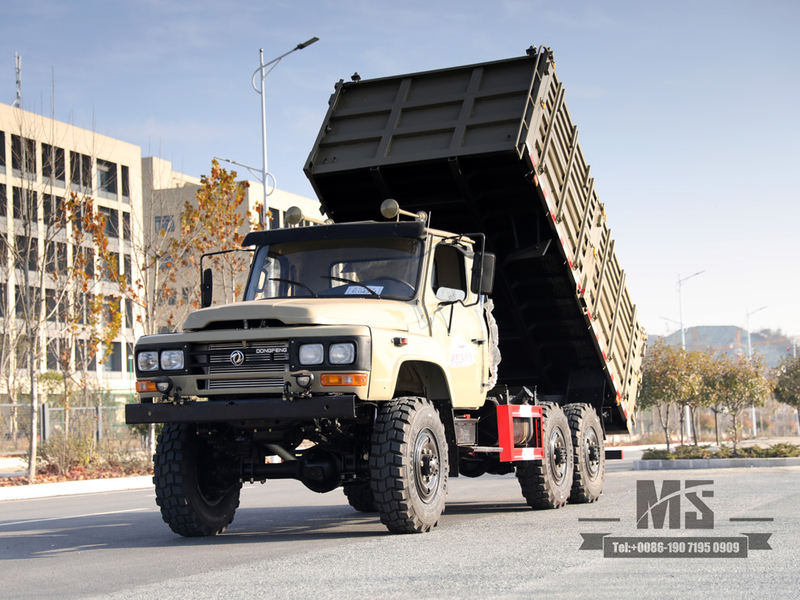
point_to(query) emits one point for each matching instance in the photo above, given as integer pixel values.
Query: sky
(687, 110)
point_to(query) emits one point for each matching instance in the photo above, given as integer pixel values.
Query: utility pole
(260, 71)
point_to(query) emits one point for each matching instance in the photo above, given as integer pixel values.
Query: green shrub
(690, 452)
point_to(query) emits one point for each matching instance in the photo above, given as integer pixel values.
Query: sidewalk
(15, 466)
(72, 488)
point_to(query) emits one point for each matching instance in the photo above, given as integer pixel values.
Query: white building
(43, 161)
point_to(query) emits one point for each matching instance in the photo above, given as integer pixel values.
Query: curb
(714, 463)
(72, 488)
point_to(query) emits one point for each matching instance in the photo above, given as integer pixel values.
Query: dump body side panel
(492, 148)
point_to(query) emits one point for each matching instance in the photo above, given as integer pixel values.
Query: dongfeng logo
(237, 357)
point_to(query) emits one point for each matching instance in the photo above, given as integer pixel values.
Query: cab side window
(449, 279)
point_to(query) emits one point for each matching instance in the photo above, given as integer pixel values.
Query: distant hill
(732, 340)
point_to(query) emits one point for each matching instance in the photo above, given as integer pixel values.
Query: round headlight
(311, 354)
(147, 361)
(171, 360)
(342, 354)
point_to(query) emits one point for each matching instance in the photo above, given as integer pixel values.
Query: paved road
(287, 542)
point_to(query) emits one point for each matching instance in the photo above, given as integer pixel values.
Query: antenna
(18, 101)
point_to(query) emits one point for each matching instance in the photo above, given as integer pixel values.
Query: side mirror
(206, 288)
(482, 273)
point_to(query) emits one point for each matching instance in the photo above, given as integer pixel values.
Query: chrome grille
(255, 359)
(228, 384)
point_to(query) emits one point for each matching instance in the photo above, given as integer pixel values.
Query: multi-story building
(43, 161)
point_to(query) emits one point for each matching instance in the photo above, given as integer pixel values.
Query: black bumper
(241, 411)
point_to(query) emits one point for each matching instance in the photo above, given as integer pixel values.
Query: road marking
(113, 512)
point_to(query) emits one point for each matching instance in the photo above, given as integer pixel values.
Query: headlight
(342, 354)
(311, 354)
(171, 360)
(147, 361)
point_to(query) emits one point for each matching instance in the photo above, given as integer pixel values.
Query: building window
(27, 253)
(126, 226)
(53, 354)
(80, 170)
(107, 179)
(83, 355)
(26, 303)
(23, 155)
(128, 270)
(2, 152)
(128, 314)
(111, 269)
(55, 307)
(26, 205)
(3, 200)
(112, 221)
(56, 258)
(165, 224)
(53, 168)
(85, 257)
(54, 215)
(126, 185)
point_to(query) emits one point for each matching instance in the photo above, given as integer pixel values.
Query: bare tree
(63, 273)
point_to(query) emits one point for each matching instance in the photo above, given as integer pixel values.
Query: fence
(101, 422)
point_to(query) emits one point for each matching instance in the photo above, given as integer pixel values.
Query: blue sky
(687, 111)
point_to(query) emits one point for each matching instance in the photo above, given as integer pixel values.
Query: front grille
(253, 360)
(233, 384)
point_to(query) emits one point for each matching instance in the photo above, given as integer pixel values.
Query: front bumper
(241, 411)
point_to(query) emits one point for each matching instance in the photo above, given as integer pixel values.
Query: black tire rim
(426, 465)
(558, 455)
(591, 453)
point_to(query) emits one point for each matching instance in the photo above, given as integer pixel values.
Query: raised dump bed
(492, 148)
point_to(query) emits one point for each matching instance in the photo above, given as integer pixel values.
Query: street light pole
(687, 420)
(750, 356)
(261, 70)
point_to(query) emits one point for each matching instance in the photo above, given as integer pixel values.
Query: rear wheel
(409, 465)
(547, 483)
(197, 487)
(590, 459)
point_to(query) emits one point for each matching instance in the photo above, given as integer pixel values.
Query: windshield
(364, 267)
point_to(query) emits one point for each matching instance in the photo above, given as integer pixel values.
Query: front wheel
(197, 487)
(409, 465)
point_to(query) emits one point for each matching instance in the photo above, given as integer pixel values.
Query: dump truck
(461, 311)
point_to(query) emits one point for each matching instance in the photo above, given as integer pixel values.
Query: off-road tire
(547, 483)
(590, 455)
(194, 488)
(359, 496)
(409, 465)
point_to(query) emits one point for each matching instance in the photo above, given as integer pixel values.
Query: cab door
(458, 324)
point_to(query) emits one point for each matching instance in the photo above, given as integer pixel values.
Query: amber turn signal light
(350, 379)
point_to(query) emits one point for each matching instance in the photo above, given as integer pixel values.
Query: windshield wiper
(366, 287)
(292, 282)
